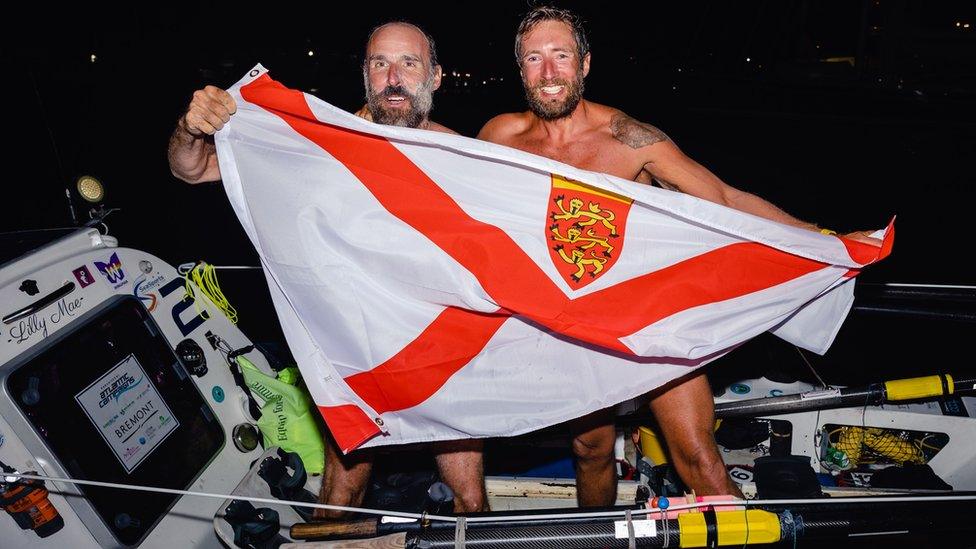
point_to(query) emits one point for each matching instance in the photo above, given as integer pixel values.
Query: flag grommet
(379, 421)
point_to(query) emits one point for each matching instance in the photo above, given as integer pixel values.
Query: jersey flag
(436, 287)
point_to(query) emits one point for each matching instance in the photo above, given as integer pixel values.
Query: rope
(939, 286)
(204, 276)
(184, 268)
(10, 477)
(667, 527)
(812, 369)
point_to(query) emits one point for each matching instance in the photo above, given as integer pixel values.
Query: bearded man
(553, 56)
(400, 74)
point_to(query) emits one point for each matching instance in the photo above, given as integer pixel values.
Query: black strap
(711, 528)
(254, 528)
(220, 344)
(237, 373)
(285, 486)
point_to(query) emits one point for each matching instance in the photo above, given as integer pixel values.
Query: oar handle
(334, 529)
(919, 387)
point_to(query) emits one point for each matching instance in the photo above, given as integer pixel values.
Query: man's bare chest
(598, 155)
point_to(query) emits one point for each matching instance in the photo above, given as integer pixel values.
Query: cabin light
(467, 75)
(93, 57)
(965, 25)
(748, 59)
(311, 53)
(90, 189)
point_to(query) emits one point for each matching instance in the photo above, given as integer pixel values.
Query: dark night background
(842, 112)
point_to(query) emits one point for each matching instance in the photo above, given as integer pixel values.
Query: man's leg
(461, 465)
(596, 476)
(686, 416)
(344, 480)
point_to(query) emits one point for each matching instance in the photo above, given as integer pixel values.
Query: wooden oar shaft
(345, 529)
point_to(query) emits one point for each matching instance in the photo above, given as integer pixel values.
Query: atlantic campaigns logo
(112, 270)
(586, 228)
(118, 387)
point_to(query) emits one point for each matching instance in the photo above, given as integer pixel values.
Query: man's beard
(420, 104)
(548, 109)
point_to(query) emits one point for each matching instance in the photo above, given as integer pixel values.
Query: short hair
(431, 49)
(548, 13)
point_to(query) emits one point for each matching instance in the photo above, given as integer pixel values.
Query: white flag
(436, 287)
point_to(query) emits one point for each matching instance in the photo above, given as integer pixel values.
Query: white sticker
(820, 394)
(642, 528)
(128, 411)
(386, 520)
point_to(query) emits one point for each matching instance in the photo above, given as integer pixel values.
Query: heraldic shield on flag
(586, 229)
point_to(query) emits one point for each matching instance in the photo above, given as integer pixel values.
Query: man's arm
(664, 161)
(192, 153)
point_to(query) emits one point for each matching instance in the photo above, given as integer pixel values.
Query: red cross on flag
(436, 287)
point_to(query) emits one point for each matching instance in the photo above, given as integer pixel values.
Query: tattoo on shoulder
(634, 134)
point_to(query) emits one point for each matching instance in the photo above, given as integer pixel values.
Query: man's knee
(594, 446)
(344, 481)
(461, 465)
(468, 485)
(470, 499)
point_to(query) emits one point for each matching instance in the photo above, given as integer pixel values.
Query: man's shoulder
(504, 126)
(507, 119)
(435, 127)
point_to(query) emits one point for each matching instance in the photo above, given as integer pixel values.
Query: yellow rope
(204, 277)
(854, 441)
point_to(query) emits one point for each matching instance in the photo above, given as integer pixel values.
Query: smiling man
(400, 74)
(391, 71)
(553, 56)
